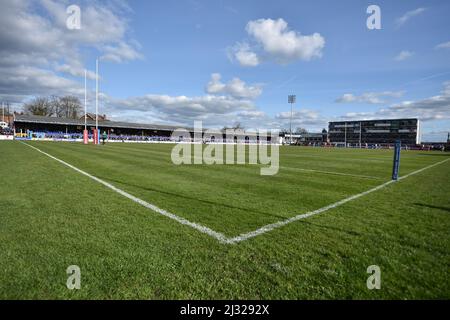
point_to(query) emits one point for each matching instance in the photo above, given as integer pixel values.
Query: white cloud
(36, 45)
(444, 45)
(276, 41)
(101, 24)
(299, 114)
(369, 97)
(245, 56)
(253, 114)
(408, 15)
(213, 110)
(224, 104)
(428, 109)
(305, 118)
(235, 88)
(21, 82)
(217, 111)
(284, 44)
(39, 56)
(120, 53)
(403, 55)
(76, 69)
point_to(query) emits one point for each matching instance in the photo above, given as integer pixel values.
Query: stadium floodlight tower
(291, 99)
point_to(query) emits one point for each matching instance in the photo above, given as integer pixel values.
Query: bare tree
(39, 106)
(67, 106)
(56, 107)
(236, 126)
(70, 106)
(8, 108)
(300, 130)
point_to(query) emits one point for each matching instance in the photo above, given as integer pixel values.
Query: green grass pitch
(52, 217)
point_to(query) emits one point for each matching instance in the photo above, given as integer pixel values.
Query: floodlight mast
(291, 100)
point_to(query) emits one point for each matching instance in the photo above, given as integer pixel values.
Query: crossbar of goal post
(396, 164)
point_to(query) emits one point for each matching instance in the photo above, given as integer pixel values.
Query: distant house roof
(91, 116)
(304, 135)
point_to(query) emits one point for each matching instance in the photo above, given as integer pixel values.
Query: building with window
(370, 132)
(305, 138)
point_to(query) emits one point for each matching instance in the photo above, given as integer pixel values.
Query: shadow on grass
(172, 194)
(352, 233)
(447, 154)
(432, 207)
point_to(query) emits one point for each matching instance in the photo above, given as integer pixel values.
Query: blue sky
(159, 56)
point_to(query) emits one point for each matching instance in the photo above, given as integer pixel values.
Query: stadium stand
(375, 132)
(53, 128)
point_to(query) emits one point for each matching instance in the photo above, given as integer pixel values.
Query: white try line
(331, 172)
(217, 235)
(203, 229)
(270, 227)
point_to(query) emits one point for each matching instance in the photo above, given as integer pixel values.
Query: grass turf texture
(52, 217)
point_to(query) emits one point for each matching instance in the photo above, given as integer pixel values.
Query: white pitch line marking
(219, 236)
(270, 227)
(242, 237)
(330, 172)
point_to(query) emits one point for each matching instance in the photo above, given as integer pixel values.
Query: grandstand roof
(375, 120)
(90, 123)
(23, 118)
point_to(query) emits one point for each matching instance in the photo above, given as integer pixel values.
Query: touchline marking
(203, 229)
(331, 172)
(217, 235)
(270, 227)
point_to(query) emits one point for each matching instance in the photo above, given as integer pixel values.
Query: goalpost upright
(291, 100)
(85, 132)
(96, 100)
